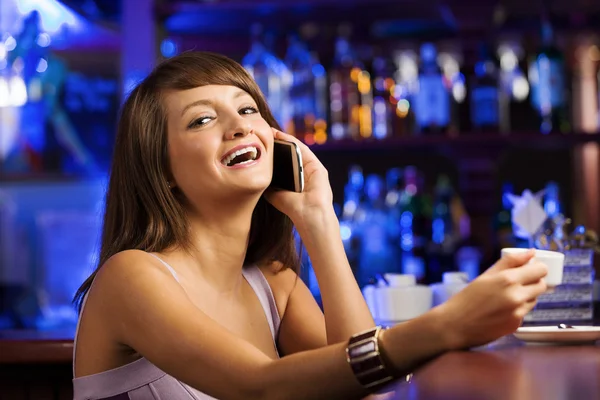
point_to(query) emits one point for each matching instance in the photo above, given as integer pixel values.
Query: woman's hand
(494, 304)
(316, 201)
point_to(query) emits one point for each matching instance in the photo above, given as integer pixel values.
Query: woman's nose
(239, 128)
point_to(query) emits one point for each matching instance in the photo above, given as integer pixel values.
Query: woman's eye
(248, 110)
(200, 122)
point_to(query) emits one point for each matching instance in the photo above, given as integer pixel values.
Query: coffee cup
(554, 260)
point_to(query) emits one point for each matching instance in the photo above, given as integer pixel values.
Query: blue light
(380, 131)
(168, 48)
(53, 14)
(318, 70)
(345, 232)
(406, 219)
(407, 241)
(438, 230)
(480, 69)
(10, 43)
(42, 66)
(551, 207)
(546, 127)
(44, 40)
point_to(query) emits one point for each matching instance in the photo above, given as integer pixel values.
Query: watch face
(363, 349)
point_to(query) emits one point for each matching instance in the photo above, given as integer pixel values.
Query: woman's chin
(253, 188)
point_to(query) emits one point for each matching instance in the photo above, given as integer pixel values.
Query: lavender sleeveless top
(142, 380)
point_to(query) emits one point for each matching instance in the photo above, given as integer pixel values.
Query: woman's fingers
(528, 273)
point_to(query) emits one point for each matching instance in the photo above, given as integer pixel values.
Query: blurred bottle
(414, 225)
(377, 254)
(270, 73)
(554, 236)
(432, 101)
(442, 224)
(352, 213)
(384, 103)
(394, 185)
(503, 226)
(552, 204)
(485, 110)
(406, 86)
(447, 228)
(547, 77)
(344, 94)
(307, 93)
(517, 113)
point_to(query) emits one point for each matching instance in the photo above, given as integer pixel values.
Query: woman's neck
(219, 244)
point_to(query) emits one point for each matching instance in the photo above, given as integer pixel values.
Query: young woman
(196, 294)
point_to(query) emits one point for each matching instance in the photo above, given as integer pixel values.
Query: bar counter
(37, 365)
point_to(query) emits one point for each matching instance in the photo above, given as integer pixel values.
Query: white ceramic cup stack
(452, 283)
(401, 300)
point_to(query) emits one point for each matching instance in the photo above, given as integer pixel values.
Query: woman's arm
(143, 307)
(313, 216)
(346, 312)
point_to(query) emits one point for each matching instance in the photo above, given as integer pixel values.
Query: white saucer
(552, 334)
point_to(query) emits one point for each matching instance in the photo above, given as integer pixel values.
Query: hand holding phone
(307, 197)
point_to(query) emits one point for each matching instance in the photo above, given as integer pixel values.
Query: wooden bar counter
(37, 365)
(509, 370)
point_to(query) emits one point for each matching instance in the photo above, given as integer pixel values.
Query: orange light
(402, 108)
(364, 82)
(309, 120)
(366, 125)
(320, 125)
(390, 83)
(355, 114)
(354, 73)
(309, 139)
(401, 114)
(320, 137)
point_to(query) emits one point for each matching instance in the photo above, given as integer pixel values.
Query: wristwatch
(363, 355)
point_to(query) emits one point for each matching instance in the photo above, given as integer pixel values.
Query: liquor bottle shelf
(534, 140)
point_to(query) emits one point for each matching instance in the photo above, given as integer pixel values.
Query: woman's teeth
(241, 156)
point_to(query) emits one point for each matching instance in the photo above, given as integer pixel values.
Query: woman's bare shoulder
(124, 271)
(126, 265)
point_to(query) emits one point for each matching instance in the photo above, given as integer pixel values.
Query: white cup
(554, 260)
(402, 300)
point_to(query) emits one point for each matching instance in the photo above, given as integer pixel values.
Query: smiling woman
(195, 295)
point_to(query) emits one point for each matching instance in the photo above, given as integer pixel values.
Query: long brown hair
(141, 211)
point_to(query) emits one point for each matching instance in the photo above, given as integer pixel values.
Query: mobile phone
(287, 166)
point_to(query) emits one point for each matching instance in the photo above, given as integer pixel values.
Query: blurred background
(433, 117)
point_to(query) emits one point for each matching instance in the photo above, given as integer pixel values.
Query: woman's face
(220, 147)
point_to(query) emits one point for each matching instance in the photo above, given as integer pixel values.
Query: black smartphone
(287, 167)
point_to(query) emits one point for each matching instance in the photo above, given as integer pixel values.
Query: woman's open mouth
(241, 155)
